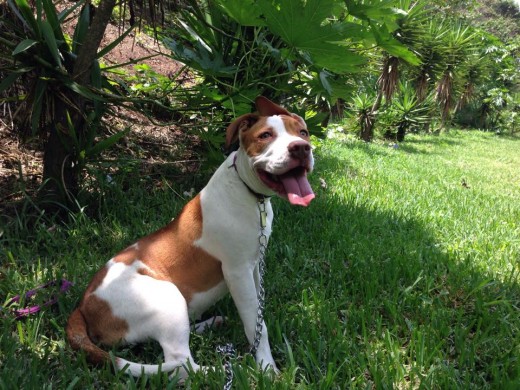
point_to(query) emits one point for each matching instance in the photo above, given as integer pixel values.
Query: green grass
(403, 273)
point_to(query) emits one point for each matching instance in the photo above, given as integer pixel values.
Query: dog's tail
(79, 340)
(138, 369)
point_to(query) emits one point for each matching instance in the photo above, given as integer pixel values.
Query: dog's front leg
(242, 286)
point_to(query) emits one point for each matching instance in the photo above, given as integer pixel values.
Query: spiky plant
(407, 32)
(458, 52)
(406, 112)
(361, 106)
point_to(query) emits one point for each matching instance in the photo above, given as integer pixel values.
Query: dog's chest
(232, 222)
(231, 230)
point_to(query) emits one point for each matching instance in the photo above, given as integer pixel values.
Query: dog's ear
(300, 120)
(265, 107)
(243, 122)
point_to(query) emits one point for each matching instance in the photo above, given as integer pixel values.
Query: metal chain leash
(228, 351)
(262, 240)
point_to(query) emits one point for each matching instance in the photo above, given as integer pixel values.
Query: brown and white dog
(151, 289)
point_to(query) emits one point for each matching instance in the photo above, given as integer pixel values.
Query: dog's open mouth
(292, 185)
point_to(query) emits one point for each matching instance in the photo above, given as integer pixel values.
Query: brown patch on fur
(267, 108)
(78, 338)
(103, 326)
(238, 125)
(294, 124)
(93, 321)
(170, 254)
(250, 138)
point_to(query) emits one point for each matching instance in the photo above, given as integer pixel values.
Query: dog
(153, 288)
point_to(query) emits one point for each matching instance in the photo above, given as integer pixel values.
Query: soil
(154, 145)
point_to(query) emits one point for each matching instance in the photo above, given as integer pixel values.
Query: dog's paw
(218, 321)
(269, 368)
(212, 322)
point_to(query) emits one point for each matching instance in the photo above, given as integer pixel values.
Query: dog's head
(278, 148)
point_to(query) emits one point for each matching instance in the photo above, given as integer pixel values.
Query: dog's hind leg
(153, 309)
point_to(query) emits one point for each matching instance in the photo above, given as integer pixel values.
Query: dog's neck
(247, 174)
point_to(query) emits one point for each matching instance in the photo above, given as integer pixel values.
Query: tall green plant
(459, 52)
(407, 112)
(60, 109)
(396, 41)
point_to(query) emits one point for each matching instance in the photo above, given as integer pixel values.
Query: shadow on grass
(369, 297)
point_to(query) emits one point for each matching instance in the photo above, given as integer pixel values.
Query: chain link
(228, 351)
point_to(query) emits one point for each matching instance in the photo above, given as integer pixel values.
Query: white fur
(202, 301)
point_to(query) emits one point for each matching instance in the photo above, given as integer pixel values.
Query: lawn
(402, 273)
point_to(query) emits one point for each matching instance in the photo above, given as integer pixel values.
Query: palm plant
(397, 50)
(407, 111)
(65, 96)
(458, 52)
(361, 106)
(300, 50)
(59, 89)
(430, 49)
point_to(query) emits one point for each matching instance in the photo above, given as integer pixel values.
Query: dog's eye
(265, 135)
(304, 133)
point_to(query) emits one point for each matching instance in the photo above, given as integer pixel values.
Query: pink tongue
(299, 191)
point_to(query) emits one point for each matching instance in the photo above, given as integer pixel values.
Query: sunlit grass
(402, 273)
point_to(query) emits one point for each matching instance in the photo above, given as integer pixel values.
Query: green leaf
(379, 10)
(395, 48)
(106, 143)
(52, 44)
(39, 94)
(24, 45)
(81, 30)
(245, 12)
(83, 91)
(304, 27)
(97, 82)
(27, 17)
(297, 23)
(66, 12)
(52, 19)
(95, 75)
(72, 131)
(325, 82)
(9, 80)
(201, 58)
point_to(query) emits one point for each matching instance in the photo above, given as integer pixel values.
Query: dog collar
(260, 197)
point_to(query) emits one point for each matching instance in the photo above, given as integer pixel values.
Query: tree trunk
(88, 51)
(60, 160)
(386, 82)
(401, 131)
(367, 127)
(60, 175)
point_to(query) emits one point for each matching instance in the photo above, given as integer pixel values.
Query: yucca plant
(459, 53)
(396, 50)
(407, 112)
(362, 107)
(39, 59)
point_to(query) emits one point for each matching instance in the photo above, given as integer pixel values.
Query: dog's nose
(299, 149)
